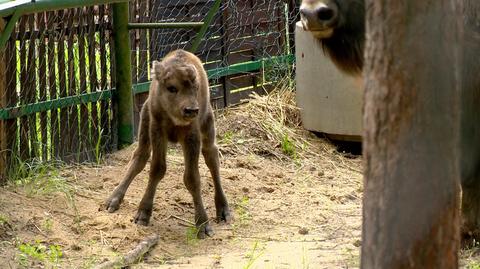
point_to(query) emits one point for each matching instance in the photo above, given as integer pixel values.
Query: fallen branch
(184, 220)
(132, 256)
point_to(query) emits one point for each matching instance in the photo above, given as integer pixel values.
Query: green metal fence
(65, 92)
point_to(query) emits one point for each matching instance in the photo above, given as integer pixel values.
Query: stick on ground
(132, 256)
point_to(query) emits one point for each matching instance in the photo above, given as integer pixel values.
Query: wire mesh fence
(51, 60)
(57, 69)
(241, 33)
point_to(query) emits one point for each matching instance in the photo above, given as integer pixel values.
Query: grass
(227, 137)
(353, 258)
(473, 265)
(47, 224)
(192, 235)
(469, 255)
(98, 148)
(277, 118)
(46, 254)
(253, 255)
(38, 178)
(305, 262)
(4, 220)
(242, 211)
(71, 200)
(288, 147)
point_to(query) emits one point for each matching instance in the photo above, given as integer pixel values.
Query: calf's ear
(191, 72)
(157, 68)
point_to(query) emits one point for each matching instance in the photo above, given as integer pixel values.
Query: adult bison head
(339, 26)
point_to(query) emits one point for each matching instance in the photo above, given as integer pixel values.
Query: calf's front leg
(158, 167)
(191, 178)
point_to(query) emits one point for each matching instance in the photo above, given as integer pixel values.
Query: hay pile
(268, 125)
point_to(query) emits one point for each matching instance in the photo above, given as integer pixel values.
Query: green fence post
(124, 94)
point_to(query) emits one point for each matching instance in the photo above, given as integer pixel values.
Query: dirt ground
(296, 202)
(295, 199)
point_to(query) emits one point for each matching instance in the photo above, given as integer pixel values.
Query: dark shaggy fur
(345, 46)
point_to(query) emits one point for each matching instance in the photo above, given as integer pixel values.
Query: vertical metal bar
(124, 95)
(206, 23)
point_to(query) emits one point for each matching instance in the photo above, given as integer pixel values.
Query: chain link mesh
(241, 32)
(52, 60)
(55, 100)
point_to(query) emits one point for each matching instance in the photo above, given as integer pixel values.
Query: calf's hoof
(204, 231)
(113, 203)
(223, 214)
(143, 217)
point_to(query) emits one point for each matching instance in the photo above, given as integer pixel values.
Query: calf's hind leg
(136, 164)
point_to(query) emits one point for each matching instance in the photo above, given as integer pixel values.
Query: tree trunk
(411, 137)
(470, 122)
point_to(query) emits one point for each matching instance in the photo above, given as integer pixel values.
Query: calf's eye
(172, 89)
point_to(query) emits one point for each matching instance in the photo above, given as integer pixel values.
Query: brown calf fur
(177, 110)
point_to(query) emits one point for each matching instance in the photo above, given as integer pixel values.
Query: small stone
(303, 231)
(233, 177)
(67, 174)
(266, 189)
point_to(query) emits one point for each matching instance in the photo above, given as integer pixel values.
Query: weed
(47, 224)
(71, 200)
(473, 265)
(253, 256)
(98, 148)
(39, 252)
(305, 262)
(192, 235)
(242, 210)
(288, 147)
(227, 137)
(90, 262)
(38, 178)
(4, 220)
(353, 259)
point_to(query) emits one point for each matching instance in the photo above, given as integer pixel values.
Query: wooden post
(411, 135)
(124, 94)
(3, 103)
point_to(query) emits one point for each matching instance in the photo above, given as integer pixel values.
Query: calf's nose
(190, 112)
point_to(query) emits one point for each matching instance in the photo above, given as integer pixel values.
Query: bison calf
(177, 110)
